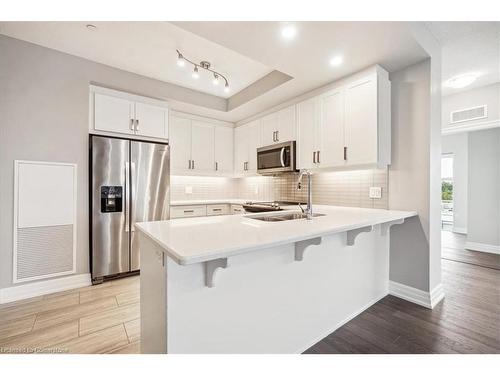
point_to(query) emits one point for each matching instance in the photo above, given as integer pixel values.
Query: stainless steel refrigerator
(129, 183)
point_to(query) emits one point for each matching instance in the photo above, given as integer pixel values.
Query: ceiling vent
(469, 114)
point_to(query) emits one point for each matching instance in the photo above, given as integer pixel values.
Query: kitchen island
(236, 284)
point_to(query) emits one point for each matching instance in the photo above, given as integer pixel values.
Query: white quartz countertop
(200, 239)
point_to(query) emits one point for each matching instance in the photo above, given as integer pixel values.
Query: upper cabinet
(247, 139)
(348, 126)
(279, 126)
(223, 149)
(139, 117)
(200, 147)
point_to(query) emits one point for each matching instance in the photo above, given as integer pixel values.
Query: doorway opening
(447, 192)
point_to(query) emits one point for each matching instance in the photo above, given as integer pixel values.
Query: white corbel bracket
(384, 227)
(301, 247)
(352, 234)
(211, 268)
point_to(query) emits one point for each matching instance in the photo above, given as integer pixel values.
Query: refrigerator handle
(127, 196)
(131, 194)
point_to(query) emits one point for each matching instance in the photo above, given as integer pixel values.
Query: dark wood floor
(454, 249)
(466, 321)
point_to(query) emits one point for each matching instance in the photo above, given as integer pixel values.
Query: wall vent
(469, 114)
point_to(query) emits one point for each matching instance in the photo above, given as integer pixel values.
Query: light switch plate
(375, 192)
(188, 190)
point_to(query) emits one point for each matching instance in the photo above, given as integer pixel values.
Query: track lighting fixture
(181, 61)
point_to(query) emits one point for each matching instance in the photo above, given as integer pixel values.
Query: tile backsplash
(340, 188)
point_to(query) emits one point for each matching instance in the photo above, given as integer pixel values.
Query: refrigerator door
(110, 221)
(150, 174)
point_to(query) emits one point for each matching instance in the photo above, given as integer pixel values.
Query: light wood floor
(95, 319)
(105, 318)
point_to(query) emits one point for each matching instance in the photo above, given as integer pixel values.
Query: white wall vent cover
(44, 220)
(469, 114)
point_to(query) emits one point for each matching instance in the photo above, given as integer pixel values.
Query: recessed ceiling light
(336, 61)
(288, 32)
(461, 81)
(91, 27)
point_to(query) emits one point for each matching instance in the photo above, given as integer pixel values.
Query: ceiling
(468, 47)
(146, 48)
(244, 51)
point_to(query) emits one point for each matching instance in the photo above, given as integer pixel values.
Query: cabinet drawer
(187, 211)
(237, 209)
(217, 209)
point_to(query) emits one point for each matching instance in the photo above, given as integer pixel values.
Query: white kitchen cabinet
(202, 147)
(347, 126)
(331, 130)
(218, 209)
(187, 211)
(279, 126)
(254, 142)
(308, 133)
(113, 111)
(113, 114)
(151, 120)
(361, 133)
(224, 149)
(180, 144)
(246, 142)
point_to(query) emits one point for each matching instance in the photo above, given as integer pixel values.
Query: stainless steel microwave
(277, 158)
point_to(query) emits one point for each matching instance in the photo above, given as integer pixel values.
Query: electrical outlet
(375, 192)
(188, 190)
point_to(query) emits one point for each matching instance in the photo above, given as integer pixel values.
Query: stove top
(267, 206)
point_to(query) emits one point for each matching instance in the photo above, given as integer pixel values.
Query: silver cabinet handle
(318, 157)
(345, 153)
(216, 166)
(192, 163)
(137, 125)
(188, 211)
(282, 156)
(216, 209)
(314, 157)
(277, 135)
(132, 124)
(189, 164)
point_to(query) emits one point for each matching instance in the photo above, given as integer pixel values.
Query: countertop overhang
(202, 239)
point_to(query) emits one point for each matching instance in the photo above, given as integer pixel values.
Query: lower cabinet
(177, 212)
(188, 211)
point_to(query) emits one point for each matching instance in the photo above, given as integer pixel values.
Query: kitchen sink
(283, 217)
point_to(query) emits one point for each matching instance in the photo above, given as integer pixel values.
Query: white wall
(458, 145)
(484, 190)
(489, 95)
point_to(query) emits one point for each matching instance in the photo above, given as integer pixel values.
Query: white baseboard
(460, 230)
(437, 294)
(40, 288)
(420, 297)
(340, 324)
(484, 247)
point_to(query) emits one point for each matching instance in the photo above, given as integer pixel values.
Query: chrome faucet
(309, 210)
